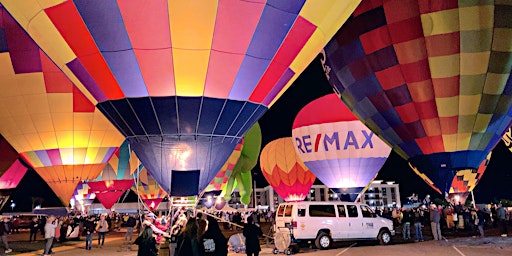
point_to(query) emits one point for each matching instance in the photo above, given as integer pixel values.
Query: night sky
(277, 123)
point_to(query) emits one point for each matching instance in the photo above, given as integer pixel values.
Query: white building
(378, 194)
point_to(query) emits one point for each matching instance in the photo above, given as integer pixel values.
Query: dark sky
(277, 123)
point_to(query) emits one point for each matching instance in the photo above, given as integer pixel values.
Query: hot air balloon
(117, 177)
(285, 171)
(83, 197)
(53, 126)
(465, 181)
(221, 179)
(507, 139)
(182, 80)
(340, 150)
(148, 189)
(241, 176)
(432, 78)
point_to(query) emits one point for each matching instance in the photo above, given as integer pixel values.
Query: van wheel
(384, 237)
(323, 241)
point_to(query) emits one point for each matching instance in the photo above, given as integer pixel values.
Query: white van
(325, 222)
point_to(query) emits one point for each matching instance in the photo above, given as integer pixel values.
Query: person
(146, 243)
(406, 223)
(3, 234)
(416, 219)
(214, 242)
(502, 219)
(130, 224)
(102, 229)
(49, 234)
(252, 242)
(188, 241)
(435, 218)
(480, 221)
(89, 230)
(34, 228)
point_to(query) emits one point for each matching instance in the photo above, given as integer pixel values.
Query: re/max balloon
(338, 148)
(432, 78)
(182, 80)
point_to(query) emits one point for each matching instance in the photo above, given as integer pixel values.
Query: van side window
(322, 211)
(367, 212)
(288, 211)
(352, 211)
(341, 211)
(280, 210)
(301, 212)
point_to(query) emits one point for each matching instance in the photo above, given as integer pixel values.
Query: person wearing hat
(435, 218)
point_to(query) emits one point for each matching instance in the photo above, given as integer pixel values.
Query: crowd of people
(450, 217)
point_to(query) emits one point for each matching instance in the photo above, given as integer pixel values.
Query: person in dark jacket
(406, 223)
(188, 241)
(146, 243)
(252, 242)
(34, 228)
(214, 242)
(89, 229)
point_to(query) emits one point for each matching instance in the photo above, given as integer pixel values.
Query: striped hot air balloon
(182, 80)
(285, 171)
(53, 126)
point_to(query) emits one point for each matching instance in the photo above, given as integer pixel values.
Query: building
(379, 194)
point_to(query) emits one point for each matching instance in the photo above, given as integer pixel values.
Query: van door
(355, 222)
(342, 226)
(370, 225)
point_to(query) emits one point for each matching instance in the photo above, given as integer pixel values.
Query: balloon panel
(339, 149)
(122, 165)
(83, 192)
(108, 199)
(507, 138)
(8, 156)
(435, 87)
(183, 68)
(12, 177)
(284, 170)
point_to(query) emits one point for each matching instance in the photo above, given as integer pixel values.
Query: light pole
(254, 189)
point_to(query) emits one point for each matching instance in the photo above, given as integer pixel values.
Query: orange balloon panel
(284, 170)
(466, 180)
(63, 179)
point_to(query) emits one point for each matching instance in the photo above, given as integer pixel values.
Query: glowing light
(180, 154)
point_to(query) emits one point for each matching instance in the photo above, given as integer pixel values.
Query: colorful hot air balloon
(83, 197)
(285, 171)
(182, 80)
(432, 78)
(241, 176)
(221, 179)
(340, 150)
(117, 177)
(465, 181)
(148, 189)
(53, 126)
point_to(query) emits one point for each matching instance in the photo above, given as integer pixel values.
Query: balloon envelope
(221, 178)
(338, 148)
(53, 126)
(183, 80)
(116, 177)
(148, 189)
(432, 78)
(285, 171)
